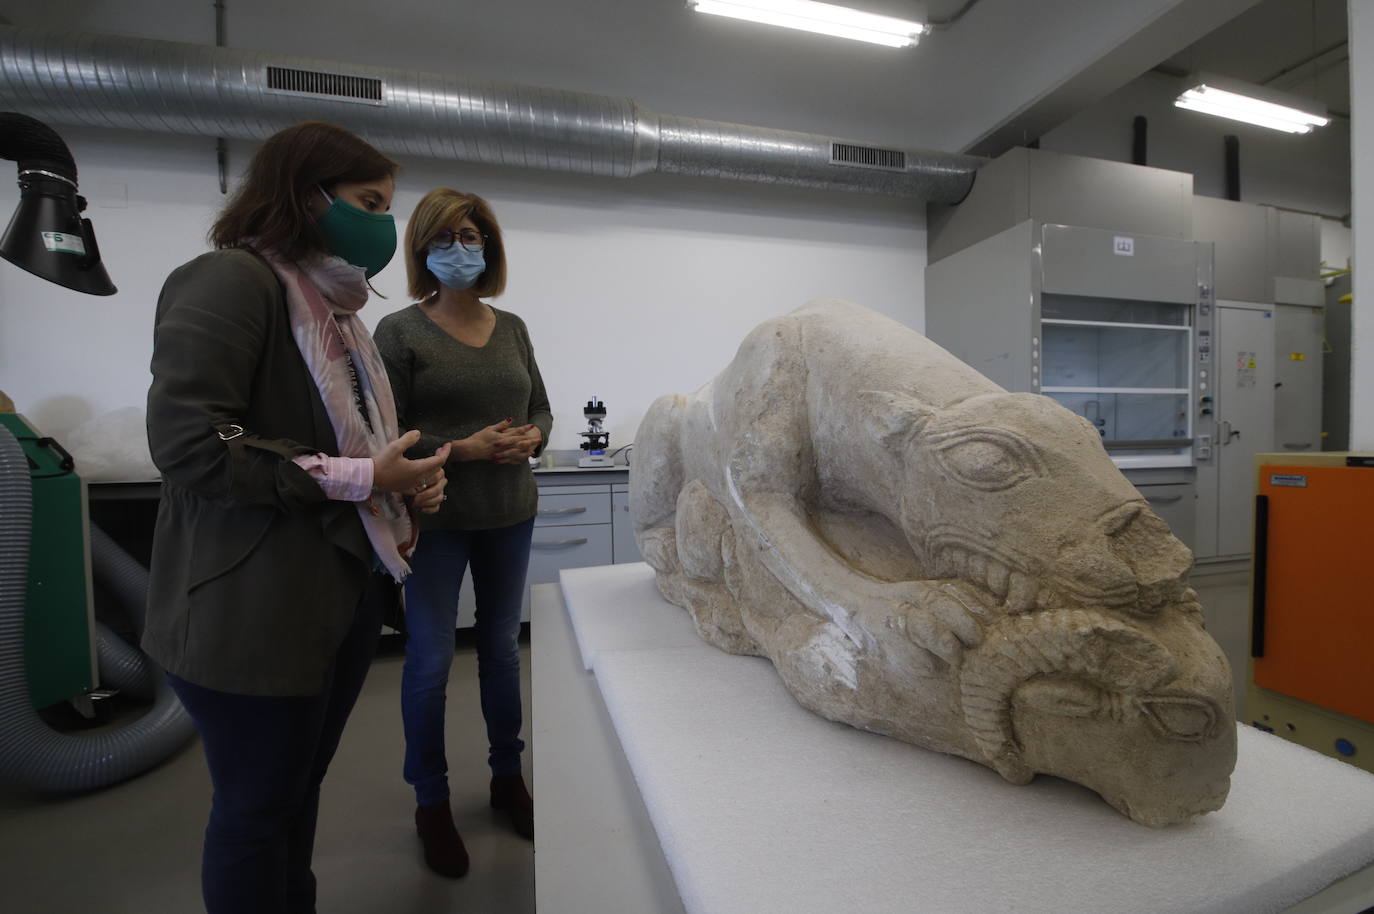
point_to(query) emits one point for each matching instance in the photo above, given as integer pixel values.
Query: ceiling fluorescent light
(1252, 104)
(823, 18)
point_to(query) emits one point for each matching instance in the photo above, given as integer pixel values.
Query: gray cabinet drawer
(568, 546)
(577, 507)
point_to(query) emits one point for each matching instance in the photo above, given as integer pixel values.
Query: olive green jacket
(255, 574)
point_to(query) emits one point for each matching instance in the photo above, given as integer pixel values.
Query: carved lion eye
(1180, 718)
(987, 458)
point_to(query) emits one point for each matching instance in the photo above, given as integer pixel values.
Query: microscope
(597, 439)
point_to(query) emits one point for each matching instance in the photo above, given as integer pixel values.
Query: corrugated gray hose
(121, 666)
(32, 754)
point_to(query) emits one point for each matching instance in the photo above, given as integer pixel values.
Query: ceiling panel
(1005, 69)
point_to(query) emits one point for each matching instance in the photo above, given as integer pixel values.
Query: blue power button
(1345, 747)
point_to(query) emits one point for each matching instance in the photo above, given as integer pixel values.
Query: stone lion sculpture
(922, 554)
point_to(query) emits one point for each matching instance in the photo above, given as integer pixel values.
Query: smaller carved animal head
(1144, 719)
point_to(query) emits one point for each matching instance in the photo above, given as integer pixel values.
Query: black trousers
(267, 757)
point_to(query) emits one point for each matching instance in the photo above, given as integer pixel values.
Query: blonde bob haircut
(441, 210)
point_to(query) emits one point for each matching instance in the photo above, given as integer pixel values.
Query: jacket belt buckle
(229, 432)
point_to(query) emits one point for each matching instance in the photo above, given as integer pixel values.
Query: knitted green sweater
(448, 390)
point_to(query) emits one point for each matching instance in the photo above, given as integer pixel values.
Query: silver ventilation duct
(169, 87)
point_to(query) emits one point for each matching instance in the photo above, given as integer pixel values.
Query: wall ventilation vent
(335, 85)
(867, 157)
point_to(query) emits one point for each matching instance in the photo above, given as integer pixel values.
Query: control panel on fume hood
(1204, 419)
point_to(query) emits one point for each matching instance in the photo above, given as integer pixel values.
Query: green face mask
(364, 239)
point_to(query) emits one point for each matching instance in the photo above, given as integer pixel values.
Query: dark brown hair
(442, 209)
(269, 204)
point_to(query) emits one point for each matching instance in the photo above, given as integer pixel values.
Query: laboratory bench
(583, 519)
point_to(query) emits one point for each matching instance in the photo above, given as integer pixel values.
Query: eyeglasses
(470, 240)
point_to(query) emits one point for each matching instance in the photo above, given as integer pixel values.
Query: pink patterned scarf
(322, 298)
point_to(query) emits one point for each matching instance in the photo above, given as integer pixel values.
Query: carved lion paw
(941, 617)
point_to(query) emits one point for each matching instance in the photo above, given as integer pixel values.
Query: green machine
(59, 622)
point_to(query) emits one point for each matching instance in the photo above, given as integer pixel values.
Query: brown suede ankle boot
(444, 850)
(508, 793)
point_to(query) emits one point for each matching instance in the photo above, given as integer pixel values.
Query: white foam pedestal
(760, 806)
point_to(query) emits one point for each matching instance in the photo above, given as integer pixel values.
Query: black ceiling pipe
(1138, 128)
(1232, 167)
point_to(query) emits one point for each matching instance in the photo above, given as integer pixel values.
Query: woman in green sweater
(464, 373)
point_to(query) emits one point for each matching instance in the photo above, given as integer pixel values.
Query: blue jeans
(498, 559)
(267, 756)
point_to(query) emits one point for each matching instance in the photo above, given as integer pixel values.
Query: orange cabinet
(1312, 628)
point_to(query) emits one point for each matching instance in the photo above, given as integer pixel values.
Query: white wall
(631, 289)
(1362, 153)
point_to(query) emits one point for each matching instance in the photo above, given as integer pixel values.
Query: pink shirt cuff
(341, 478)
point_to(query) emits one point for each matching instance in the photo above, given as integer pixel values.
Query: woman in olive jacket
(287, 506)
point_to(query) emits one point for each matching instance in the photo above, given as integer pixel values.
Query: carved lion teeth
(1021, 592)
(1016, 591)
(997, 578)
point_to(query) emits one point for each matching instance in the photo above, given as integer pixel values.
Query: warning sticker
(1245, 369)
(63, 243)
(1288, 479)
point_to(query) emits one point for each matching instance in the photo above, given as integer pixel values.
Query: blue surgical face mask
(456, 267)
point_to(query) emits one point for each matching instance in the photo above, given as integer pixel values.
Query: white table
(729, 797)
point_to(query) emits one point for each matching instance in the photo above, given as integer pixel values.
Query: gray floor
(135, 847)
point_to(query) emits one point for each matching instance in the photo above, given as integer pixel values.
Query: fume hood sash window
(1122, 365)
